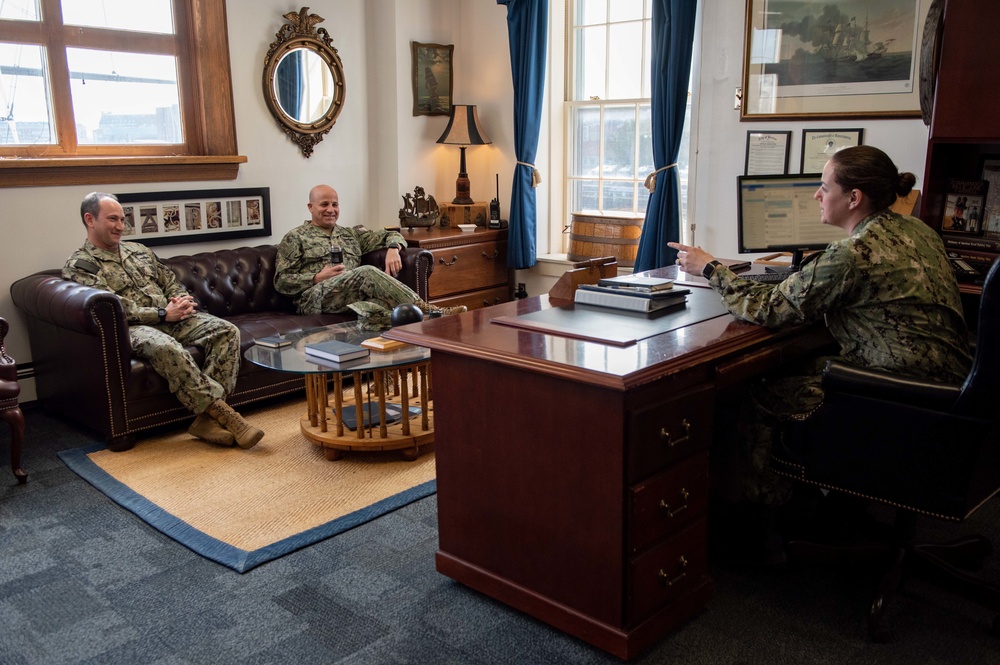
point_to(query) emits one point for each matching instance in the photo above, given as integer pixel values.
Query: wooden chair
(925, 448)
(10, 411)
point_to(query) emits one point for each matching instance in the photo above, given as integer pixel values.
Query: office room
(405, 585)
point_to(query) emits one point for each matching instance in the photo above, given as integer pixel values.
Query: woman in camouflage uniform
(886, 293)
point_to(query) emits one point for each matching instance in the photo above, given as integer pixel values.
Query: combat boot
(246, 435)
(207, 428)
(428, 308)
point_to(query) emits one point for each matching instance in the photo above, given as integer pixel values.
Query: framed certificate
(767, 152)
(819, 144)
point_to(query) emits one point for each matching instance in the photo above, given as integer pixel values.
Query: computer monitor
(777, 213)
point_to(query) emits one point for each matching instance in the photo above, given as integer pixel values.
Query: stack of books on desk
(632, 299)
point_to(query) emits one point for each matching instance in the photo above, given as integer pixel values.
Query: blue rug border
(211, 548)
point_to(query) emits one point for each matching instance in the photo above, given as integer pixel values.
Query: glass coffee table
(386, 406)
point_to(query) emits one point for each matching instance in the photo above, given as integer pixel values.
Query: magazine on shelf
(991, 212)
(977, 243)
(635, 302)
(336, 350)
(963, 205)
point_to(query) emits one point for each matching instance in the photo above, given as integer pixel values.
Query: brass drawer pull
(496, 253)
(454, 260)
(665, 578)
(665, 507)
(667, 438)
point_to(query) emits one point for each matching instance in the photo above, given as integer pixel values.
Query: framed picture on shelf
(432, 77)
(819, 144)
(963, 205)
(767, 152)
(169, 218)
(821, 59)
(991, 209)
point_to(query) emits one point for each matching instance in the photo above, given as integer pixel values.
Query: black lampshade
(463, 130)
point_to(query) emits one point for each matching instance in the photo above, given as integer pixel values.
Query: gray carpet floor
(84, 581)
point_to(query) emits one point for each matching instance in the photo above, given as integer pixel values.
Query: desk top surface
(474, 334)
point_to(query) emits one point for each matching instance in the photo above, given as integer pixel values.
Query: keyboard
(767, 277)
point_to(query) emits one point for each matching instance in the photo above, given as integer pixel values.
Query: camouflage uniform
(367, 290)
(889, 298)
(144, 285)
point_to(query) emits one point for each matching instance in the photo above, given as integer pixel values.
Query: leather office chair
(924, 448)
(10, 411)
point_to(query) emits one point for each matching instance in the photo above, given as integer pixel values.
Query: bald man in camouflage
(305, 272)
(163, 318)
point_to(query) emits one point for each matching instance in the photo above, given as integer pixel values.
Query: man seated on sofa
(306, 271)
(163, 318)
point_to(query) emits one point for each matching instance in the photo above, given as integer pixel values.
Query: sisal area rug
(242, 508)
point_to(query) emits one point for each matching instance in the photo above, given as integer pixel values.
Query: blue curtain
(527, 32)
(673, 38)
(290, 81)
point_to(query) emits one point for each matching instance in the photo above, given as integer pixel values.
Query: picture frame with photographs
(819, 144)
(818, 59)
(432, 77)
(177, 217)
(767, 152)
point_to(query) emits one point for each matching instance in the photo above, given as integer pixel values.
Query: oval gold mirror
(304, 80)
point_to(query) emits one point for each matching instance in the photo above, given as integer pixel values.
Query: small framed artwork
(819, 144)
(820, 59)
(767, 152)
(169, 218)
(432, 78)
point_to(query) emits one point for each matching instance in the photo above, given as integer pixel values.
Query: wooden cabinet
(964, 129)
(470, 267)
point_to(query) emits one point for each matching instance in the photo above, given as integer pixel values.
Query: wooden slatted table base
(402, 386)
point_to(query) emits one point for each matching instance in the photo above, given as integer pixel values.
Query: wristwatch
(162, 313)
(393, 245)
(709, 269)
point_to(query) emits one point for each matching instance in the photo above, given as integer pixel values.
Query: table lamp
(463, 130)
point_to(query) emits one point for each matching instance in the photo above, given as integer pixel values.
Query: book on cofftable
(273, 341)
(635, 302)
(963, 205)
(383, 344)
(637, 283)
(336, 350)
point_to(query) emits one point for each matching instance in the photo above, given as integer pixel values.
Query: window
(608, 139)
(136, 84)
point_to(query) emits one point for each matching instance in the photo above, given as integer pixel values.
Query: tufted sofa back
(228, 282)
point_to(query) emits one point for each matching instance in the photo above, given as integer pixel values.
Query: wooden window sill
(32, 171)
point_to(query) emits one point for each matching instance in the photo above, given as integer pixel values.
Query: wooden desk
(572, 476)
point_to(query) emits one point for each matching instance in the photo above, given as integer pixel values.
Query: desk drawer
(667, 572)
(468, 268)
(667, 502)
(477, 299)
(669, 430)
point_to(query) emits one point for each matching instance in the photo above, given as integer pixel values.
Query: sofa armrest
(417, 267)
(74, 328)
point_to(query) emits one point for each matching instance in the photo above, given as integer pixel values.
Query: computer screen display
(777, 213)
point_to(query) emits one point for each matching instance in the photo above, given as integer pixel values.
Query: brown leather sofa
(83, 363)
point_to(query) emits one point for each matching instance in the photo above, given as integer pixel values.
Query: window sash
(207, 109)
